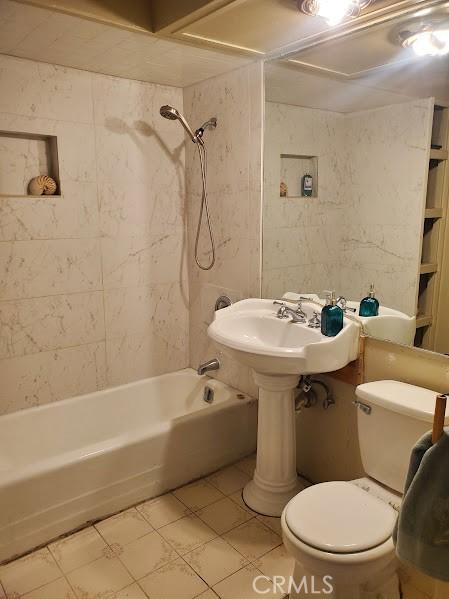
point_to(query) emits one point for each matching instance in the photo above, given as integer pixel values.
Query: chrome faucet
(297, 316)
(213, 364)
(343, 303)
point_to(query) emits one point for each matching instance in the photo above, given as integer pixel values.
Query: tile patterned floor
(198, 541)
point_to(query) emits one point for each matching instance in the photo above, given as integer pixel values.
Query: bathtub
(80, 459)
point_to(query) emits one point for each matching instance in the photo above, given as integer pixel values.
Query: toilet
(339, 533)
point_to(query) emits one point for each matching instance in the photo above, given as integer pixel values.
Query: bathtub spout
(213, 364)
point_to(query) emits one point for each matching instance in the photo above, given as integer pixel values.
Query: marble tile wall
(234, 182)
(365, 225)
(301, 239)
(93, 285)
(388, 164)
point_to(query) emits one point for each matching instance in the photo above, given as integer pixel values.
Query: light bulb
(334, 11)
(430, 43)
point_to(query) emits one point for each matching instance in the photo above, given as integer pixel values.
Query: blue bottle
(331, 317)
(369, 306)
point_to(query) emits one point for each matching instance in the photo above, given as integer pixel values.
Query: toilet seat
(338, 517)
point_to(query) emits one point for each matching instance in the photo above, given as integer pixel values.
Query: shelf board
(423, 321)
(428, 268)
(433, 213)
(438, 154)
(12, 196)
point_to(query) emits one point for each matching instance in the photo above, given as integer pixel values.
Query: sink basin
(252, 334)
(278, 351)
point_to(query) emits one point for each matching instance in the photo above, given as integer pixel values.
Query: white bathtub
(66, 463)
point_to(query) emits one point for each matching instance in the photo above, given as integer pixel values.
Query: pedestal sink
(279, 352)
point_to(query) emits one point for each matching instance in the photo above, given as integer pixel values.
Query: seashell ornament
(42, 185)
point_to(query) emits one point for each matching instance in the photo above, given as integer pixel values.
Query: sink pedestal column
(275, 479)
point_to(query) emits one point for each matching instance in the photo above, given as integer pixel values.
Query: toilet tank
(400, 415)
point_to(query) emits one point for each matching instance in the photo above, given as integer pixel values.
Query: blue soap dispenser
(369, 306)
(331, 316)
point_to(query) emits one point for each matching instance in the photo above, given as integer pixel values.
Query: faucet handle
(315, 321)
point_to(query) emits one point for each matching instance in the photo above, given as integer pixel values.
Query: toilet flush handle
(366, 409)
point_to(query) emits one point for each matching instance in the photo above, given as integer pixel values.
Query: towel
(422, 530)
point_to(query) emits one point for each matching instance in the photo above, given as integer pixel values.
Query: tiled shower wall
(301, 245)
(93, 284)
(234, 181)
(365, 225)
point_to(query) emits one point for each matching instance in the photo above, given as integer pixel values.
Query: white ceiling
(40, 34)
(332, 70)
(363, 69)
(287, 85)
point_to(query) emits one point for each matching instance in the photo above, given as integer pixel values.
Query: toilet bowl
(340, 532)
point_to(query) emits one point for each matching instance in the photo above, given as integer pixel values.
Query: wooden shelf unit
(433, 213)
(423, 321)
(438, 154)
(434, 267)
(428, 268)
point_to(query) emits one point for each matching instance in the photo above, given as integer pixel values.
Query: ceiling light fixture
(333, 11)
(427, 40)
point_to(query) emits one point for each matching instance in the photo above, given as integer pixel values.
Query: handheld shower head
(170, 113)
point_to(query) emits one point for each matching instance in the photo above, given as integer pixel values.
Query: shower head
(168, 112)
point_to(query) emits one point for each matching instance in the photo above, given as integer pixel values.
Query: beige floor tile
(59, 589)
(163, 510)
(224, 515)
(102, 576)
(253, 539)
(247, 465)
(208, 595)
(132, 592)
(78, 549)
(2, 592)
(240, 586)
(29, 572)
(276, 563)
(146, 554)
(410, 592)
(237, 498)
(271, 522)
(124, 528)
(198, 494)
(176, 580)
(187, 534)
(215, 560)
(229, 480)
(419, 581)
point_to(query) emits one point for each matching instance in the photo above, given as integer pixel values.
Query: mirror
(356, 179)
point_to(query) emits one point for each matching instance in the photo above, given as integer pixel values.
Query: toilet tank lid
(416, 402)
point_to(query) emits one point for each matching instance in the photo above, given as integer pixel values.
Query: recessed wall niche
(24, 156)
(293, 168)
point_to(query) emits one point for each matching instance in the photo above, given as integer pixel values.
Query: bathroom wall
(93, 284)
(365, 224)
(302, 236)
(388, 161)
(234, 184)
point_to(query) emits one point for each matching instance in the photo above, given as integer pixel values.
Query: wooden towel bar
(438, 418)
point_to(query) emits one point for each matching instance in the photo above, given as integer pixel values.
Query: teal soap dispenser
(369, 306)
(331, 316)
